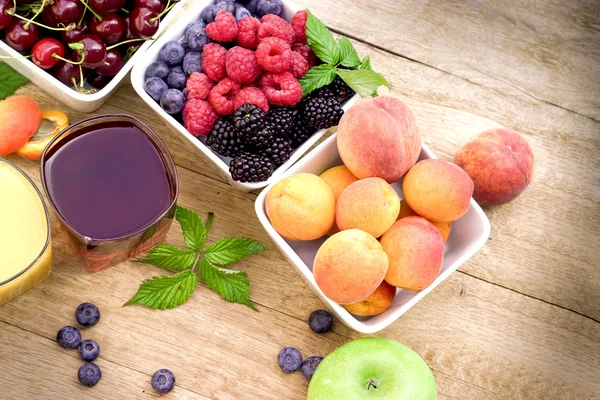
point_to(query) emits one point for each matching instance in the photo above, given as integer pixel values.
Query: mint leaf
(317, 77)
(162, 292)
(362, 81)
(232, 249)
(366, 64)
(348, 55)
(169, 257)
(10, 80)
(321, 40)
(194, 231)
(231, 285)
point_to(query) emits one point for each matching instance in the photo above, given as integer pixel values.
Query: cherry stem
(42, 6)
(126, 41)
(125, 11)
(66, 28)
(166, 10)
(82, 17)
(85, 4)
(54, 55)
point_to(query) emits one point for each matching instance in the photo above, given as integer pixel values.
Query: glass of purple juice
(114, 187)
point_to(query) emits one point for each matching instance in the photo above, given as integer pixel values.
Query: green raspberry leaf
(316, 77)
(232, 249)
(321, 40)
(162, 292)
(169, 257)
(10, 80)
(194, 231)
(363, 82)
(231, 285)
(348, 55)
(366, 64)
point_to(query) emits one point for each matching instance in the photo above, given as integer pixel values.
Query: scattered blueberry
(289, 359)
(163, 381)
(196, 37)
(172, 101)
(192, 62)
(159, 69)
(89, 374)
(241, 12)
(208, 14)
(310, 365)
(68, 337)
(155, 87)
(320, 321)
(264, 7)
(177, 80)
(172, 53)
(88, 350)
(87, 314)
(177, 68)
(224, 5)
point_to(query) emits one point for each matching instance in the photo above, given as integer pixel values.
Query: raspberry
(275, 26)
(221, 97)
(224, 29)
(213, 61)
(251, 95)
(281, 89)
(241, 65)
(298, 65)
(198, 86)
(198, 117)
(306, 52)
(247, 31)
(299, 25)
(274, 55)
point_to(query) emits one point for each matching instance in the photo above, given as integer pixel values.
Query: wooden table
(520, 320)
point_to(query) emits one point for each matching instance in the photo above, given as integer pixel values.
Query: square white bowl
(468, 235)
(78, 101)
(221, 163)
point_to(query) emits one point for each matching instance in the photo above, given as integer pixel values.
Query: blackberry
(279, 151)
(249, 119)
(247, 167)
(320, 112)
(224, 139)
(340, 89)
(261, 139)
(300, 132)
(281, 119)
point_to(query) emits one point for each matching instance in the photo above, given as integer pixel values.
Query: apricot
(500, 163)
(53, 122)
(444, 227)
(370, 204)
(338, 178)
(438, 190)
(301, 207)
(379, 138)
(415, 250)
(376, 303)
(20, 117)
(349, 266)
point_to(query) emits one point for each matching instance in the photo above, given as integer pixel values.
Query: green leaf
(169, 257)
(162, 292)
(363, 82)
(348, 55)
(366, 64)
(10, 80)
(194, 231)
(317, 77)
(232, 249)
(231, 285)
(321, 40)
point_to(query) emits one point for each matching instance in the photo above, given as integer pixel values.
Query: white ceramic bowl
(221, 163)
(68, 96)
(468, 235)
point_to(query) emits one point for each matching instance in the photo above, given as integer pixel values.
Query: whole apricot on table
(20, 117)
(376, 303)
(338, 178)
(500, 163)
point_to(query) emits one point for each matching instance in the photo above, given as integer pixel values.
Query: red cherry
(64, 72)
(156, 5)
(114, 61)
(143, 22)
(98, 81)
(128, 35)
(19, 38)
(94, 51)
(105, 7)
(5, 19)
(75, 34)
(43, 52)
(111, 29)
(65, 11)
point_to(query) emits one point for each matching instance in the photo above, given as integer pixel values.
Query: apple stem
(371, 384)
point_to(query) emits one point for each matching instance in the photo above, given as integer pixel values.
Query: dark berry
(177, 80)
(289, 359)
(281, 119)
(163, 381)
(89, 374)
(280, 150)
(225, 5)
(264, 7)
(247, 167)
(300, 132)
(159, 69)
(310, 365)
(341, 90)
(192, 62)
(248, 119)
(196, 37)
(177, 68)
(172, 53)
(241, 12)
(68, 337)
(224, 139)
(88, 350)
(320, 321)
(87, 314)
(172, 101)
(322, 112)
(261, 139)
(208, 14)
(155, 87)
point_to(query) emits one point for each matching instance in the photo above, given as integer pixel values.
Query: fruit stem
(125, 11)
(66, 28)
(166, 10)
(126, 41)
(42, 6)
(209, 220)
(85, 4)
(195, 263)
(82, 17)
(54, 55)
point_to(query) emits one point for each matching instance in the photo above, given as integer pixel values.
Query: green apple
(372, 369)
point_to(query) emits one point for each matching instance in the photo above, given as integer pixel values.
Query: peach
(20, 117)
(415, 250)
(301, 207)
(443, 227)
(438, 190)
(349, 266)
(338, 178)
(500, 163)
(370, 205)
(376, 303)
(379, 138)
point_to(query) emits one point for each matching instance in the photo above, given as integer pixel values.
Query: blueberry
(208, 14)
(196, 37)
(224, 5)
(177, 68)
(88, 350)
(192, 62)
(163, 381)
(157, 68)
(320, 321)
(172, 53)
(172, 101)
(191, 24)
(87, 314)
(155, 87)
(251, 6)
(89, 374)
(68, 337)
(310, 365)
(241, 12)
(264, 7)
(177, 80)
(289, 359)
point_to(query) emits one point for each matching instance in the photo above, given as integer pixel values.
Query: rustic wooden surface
(520, 320)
